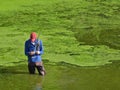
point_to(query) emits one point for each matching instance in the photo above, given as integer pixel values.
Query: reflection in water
(38, 86)
(62, 77)
(39, 81)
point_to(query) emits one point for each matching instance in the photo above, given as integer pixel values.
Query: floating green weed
(84, 33)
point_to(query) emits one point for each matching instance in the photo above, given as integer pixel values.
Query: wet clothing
(32, 66)
(33, 46)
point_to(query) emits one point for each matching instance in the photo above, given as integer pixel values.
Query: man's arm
(27, 52)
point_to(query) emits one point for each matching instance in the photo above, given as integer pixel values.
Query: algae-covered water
(82, 32)
(62, 77)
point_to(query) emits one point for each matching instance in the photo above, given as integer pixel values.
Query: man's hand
(32, 53)
(37, 52)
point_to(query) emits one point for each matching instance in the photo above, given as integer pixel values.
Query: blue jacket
(29, 46)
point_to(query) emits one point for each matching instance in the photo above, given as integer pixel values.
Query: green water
(82, 32)
(62, 77)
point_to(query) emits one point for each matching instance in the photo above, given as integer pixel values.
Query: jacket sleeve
(41, 47)
(26, 50)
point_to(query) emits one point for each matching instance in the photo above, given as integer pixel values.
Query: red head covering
(33, 36)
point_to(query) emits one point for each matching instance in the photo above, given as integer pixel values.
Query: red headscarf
(33, 36)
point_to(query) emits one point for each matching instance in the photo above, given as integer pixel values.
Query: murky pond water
(62, 77)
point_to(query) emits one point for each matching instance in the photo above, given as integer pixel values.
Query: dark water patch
(5, 20)
(103, 15)
(73, 54)
(110, 37)
(13, 35)
(46, 60)
(33, 10)
(18, 62)
(5, 24)
(62, 63)
(12, 70)
(59, 34)
(6, 50)
(114, 63)
(88, 28)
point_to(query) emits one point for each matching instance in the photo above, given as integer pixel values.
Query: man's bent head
(33, 36)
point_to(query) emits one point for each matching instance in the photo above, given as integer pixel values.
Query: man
(34, 50)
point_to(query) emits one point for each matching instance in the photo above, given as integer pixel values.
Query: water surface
(62, 77)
